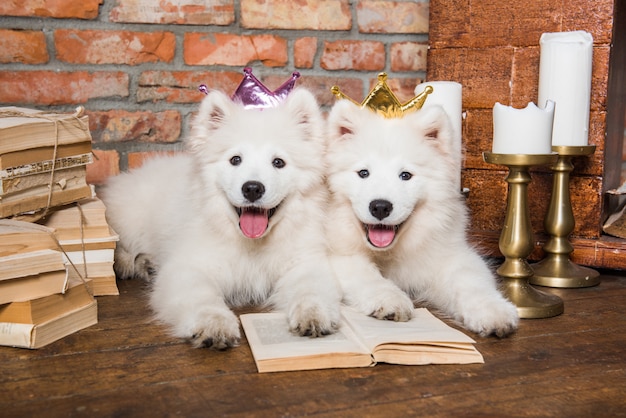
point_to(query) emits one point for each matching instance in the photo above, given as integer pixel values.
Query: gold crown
(382, 100)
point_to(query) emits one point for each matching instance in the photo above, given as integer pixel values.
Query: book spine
(32, 181)
(46, 166)
(14, 205)
(16, 335)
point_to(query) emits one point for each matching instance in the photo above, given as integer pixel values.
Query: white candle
(448, 95)
(565, 78)
(522, 131)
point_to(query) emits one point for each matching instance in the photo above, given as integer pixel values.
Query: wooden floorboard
(573, 365)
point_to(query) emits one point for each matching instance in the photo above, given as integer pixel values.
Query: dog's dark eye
(405, 175)
(278, 163)
(236, 160)
(363, 173)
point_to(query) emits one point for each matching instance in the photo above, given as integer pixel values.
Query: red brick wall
(492, 49)
(135, 65)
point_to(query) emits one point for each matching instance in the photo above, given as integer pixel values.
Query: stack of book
(43, 158)
(41, 298)
(52, 265)
(88, 242)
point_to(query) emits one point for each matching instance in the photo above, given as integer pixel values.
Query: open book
(361, 341)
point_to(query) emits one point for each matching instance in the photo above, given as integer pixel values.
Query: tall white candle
(448, 95)
(565, 78)
(522, 131)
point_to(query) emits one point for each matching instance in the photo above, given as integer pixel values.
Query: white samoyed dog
(237, 220)
(397, 222)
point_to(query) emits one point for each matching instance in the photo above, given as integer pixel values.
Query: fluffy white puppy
(238, 220)
(397, 221)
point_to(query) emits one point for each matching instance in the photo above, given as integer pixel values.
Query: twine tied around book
(78, 113)
(81, 223)
(27, 226)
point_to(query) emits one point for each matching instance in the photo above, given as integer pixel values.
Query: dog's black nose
(253, 190)
(380, 208)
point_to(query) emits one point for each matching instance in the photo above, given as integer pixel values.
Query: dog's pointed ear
(212, 114)
(342, 120)
(434, 125)
(215, 108)
(302, 105)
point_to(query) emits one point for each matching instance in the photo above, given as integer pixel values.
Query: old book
(38, 335)
(30, 263)
(34, 184)
(22, 237)
(89, 244)
(361, 341)
(102, 277)
(37, 285)
(37, 155)
(84, 220)
(66, 190)
(88, 240)
(105, 286)
(22, 128)
(25, 190)
(90, 257)
(39, 310)
(45, 167)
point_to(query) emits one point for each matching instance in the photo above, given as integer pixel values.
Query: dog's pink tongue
(380, 236)
(253, 223)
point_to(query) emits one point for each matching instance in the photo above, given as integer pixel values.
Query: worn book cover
(37, 285)
(23, 128)
(102, 277)
(40, 310)
(65, 191)
(22, 237)
(37, 183)
(38, 335)
(48, 153)
(361, 341)
(82, 220)
(85, 235)
(13, 266)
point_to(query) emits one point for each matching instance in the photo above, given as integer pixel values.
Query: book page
(30, 263)
(424, 339)
(424, 327)
(427, 354)
(275, 348)
(91, 256)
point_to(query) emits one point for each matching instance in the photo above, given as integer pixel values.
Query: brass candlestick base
(556, 269)
(516, 239)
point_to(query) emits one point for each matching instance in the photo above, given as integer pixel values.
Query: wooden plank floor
(568, 366)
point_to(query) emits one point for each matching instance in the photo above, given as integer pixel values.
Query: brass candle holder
(516, 239)
(556, 269)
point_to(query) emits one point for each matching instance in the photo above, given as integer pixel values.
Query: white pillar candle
(522, 131)
(448, 95)
(565, 78)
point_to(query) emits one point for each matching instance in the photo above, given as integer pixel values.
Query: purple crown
(254, 95)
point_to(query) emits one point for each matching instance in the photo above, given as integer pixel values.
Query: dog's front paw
(392, 305)
(144, 267)
(498, 317)
(310, 320)
(216, 330)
